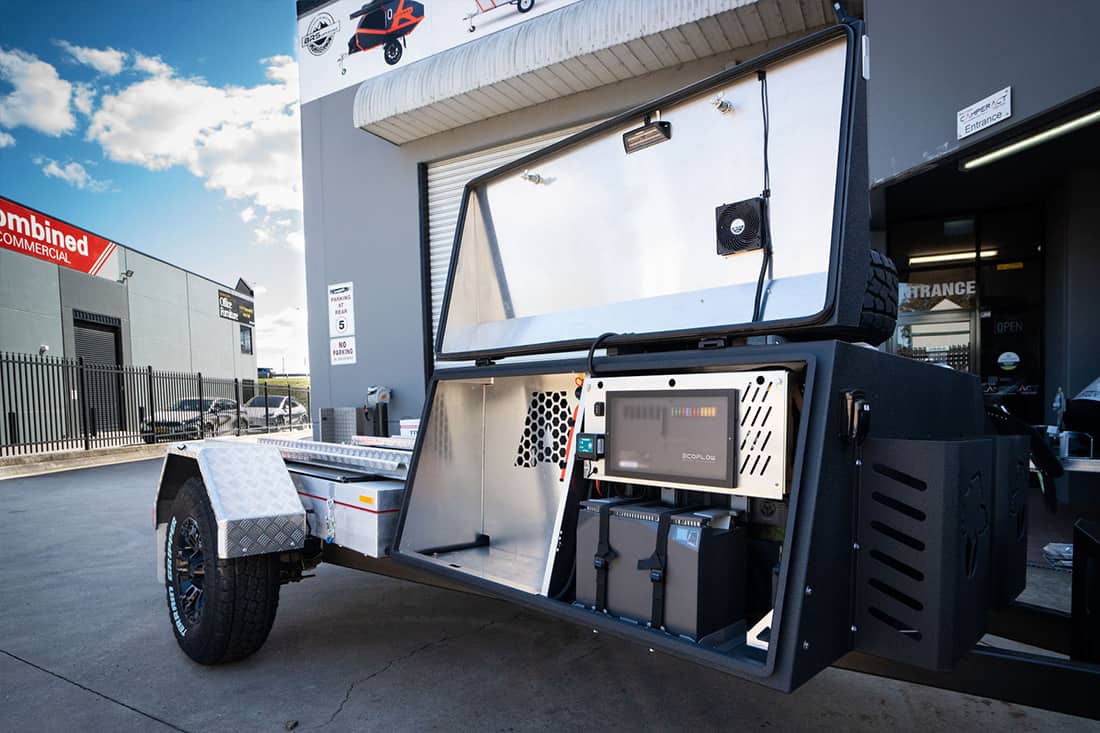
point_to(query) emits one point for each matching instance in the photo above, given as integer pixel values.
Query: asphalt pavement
(85, 645)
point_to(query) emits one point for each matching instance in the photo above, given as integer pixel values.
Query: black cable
(568, 581)
(765, 196)
(592, 351)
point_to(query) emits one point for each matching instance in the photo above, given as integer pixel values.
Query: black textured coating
(241, 594)
(880, 300)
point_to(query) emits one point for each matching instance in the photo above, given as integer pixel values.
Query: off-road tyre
(239, 596)
(524, 6)
(880, 300)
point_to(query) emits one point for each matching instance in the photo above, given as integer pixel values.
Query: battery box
(681, 570)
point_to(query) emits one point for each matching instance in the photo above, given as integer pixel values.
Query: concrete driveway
(85, 644)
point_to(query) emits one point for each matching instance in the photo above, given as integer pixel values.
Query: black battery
(680, 570)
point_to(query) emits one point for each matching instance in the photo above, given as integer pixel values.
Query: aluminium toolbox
(680, 570)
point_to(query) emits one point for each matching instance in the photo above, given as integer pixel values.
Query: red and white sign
(34, 234)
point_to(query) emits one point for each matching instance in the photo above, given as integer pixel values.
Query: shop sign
(235, 308)
(342, 350)
(349, 41)
(984, 113)
(34, 234)
(927, 291)
(341, 310)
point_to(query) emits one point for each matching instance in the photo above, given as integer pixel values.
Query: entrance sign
(341, 310)
(984, 113)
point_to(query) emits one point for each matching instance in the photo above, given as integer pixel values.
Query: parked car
(265, 373)
(276, 411)
(191, 419)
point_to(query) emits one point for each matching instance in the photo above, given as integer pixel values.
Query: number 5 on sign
(342, 350)
(341, 310)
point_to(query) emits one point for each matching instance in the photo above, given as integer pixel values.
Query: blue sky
(170, 127)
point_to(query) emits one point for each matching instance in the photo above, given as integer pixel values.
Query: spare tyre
(880, 300)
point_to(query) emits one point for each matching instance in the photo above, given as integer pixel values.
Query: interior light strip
(1033, 140)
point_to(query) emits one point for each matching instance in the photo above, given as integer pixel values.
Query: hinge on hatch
(712, 343)
(484, 362)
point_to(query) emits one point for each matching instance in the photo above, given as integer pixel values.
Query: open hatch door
(664, 222)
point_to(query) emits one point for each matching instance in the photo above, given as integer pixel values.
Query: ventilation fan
(740, 226)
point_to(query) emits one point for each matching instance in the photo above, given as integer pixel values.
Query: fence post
(83, 402)
(289, 412)
(237, 401)
(202, 410)
(267, 411)
(152, 398)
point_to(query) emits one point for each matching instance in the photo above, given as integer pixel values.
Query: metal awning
(583, 46)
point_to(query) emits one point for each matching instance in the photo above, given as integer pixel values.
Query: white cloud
(259, 290)
(243, 141)
(281, 230)
(248, 214)
(104, 60)
(83, 96)
(72, 173)
(282, 335)
(6, 140)
(152, 65)
(39, 98)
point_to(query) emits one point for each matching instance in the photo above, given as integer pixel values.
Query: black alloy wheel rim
(190, 570)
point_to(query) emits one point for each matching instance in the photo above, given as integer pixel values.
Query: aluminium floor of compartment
(510, 568)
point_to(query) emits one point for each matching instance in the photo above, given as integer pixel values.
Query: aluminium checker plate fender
(256, 507)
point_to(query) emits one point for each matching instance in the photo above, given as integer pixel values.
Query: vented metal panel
(761, 434)
(446, 180)
(924, 536)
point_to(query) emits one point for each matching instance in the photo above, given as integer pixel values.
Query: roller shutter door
(446, 180)
(97, 343)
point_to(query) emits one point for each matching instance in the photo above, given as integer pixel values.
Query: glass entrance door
(937, 338)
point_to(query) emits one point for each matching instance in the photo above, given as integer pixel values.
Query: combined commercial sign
(36, 235)
(348, 41)
(235, 308)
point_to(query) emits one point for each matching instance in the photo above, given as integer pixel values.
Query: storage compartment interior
(513, 486)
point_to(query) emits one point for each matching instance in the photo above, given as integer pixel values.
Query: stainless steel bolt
(805, 645)
(855, 545)
(809, 591)
(854, 629)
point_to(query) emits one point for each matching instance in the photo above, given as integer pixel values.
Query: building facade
(88, 297)
(983, 162)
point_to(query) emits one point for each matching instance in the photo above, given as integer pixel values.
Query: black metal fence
(52, 403)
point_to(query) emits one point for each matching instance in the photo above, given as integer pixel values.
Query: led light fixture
(1032, 140)
(951, 257)
(647, 135)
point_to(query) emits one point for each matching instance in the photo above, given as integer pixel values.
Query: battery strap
(604, 556)
(656, 564)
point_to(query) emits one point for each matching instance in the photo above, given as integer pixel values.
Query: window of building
(246, 340)
(970, 297)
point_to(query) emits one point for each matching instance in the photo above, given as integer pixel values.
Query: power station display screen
(679, 436)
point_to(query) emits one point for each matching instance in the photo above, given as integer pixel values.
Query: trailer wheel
(524, 5)
(392, 52)
(880, 300)
(220, 610)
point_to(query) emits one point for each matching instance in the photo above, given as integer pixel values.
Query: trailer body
(763, 496)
